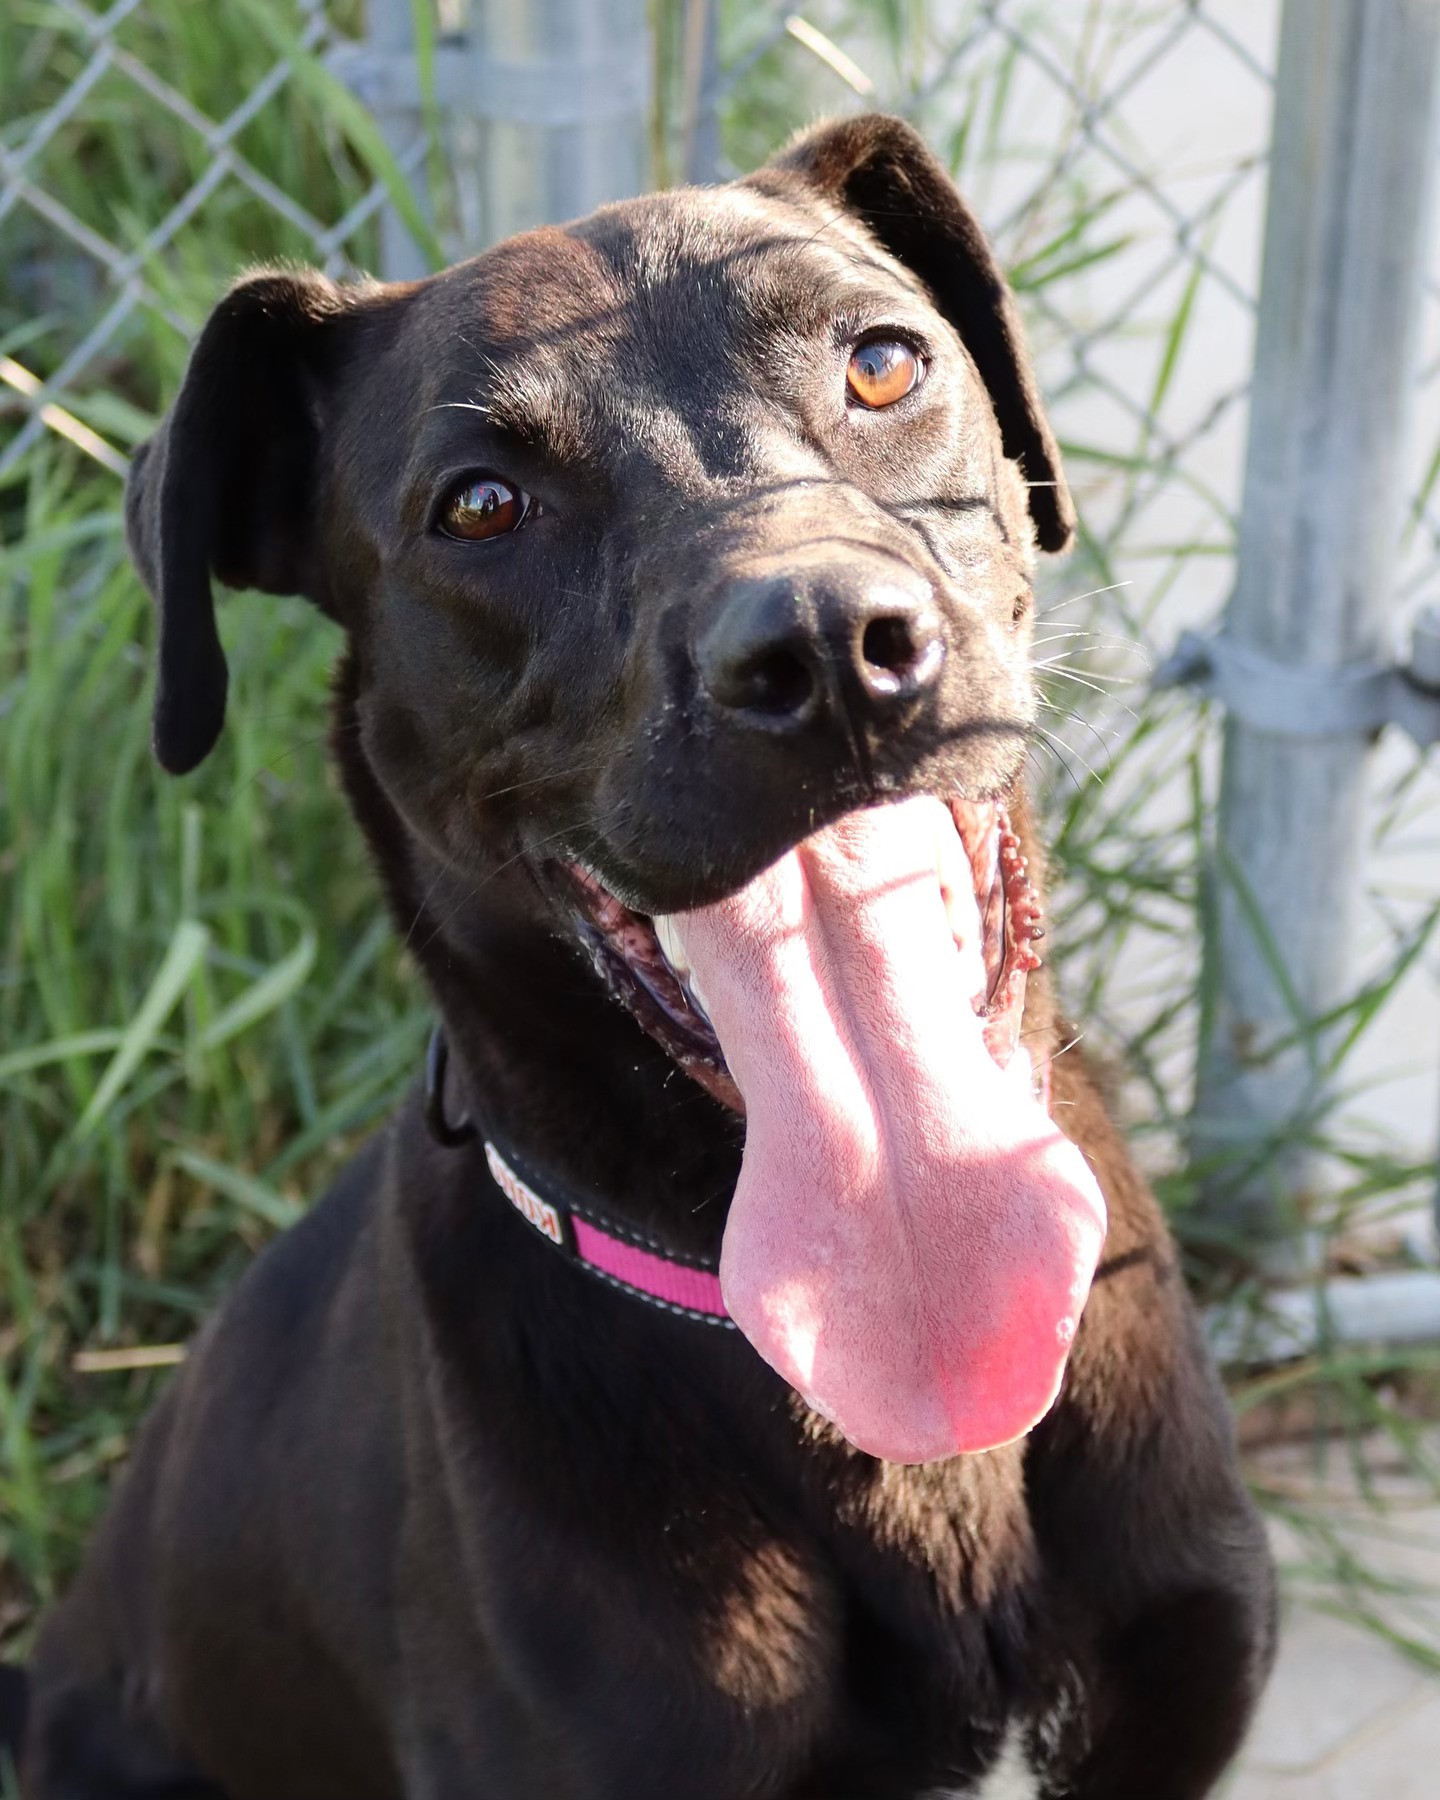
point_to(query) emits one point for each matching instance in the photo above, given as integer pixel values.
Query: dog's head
(724, 500)
(667, 544)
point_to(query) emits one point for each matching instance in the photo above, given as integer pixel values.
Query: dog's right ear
(227, 485)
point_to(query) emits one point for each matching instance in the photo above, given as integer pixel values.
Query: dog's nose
(786, 649)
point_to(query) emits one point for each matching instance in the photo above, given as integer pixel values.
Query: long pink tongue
(912, 1240)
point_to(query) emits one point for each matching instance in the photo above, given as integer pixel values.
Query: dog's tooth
(668, 937)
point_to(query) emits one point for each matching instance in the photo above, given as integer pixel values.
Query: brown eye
(482, 508)
(882, 372)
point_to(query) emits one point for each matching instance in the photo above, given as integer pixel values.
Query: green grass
(201, 1005)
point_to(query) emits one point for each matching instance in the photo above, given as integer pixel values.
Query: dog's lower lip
(627, 955)
(641, 959)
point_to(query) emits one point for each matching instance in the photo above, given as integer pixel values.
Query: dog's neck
(542, 1053)
(537, 1046)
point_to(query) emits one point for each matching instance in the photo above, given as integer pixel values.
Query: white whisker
(1057, 666)
(1065, 750)
(1075, 599)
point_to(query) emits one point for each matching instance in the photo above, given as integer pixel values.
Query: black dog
(684, 556)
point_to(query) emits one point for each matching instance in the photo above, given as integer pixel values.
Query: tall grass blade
(274, 988)
(183, 957)
(248, 1192)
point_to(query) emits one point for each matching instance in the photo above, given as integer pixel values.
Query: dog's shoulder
(318, 1284)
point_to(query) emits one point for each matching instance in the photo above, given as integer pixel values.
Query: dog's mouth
(642, 960)
(911, 1239)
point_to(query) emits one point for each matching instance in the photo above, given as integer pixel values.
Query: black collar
(623, 1256)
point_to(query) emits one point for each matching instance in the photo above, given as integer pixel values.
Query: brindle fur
(429, 1511)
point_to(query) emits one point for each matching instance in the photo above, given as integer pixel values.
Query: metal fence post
(702, 99)
(545, 105)
(1353, 147)
(390, 35)
(567, 130)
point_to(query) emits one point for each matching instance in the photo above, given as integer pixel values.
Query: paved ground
(1347, 1717)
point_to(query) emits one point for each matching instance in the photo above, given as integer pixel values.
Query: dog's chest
(914, 1638)
(824, 1622)
(940, 1571)
(935, 1687)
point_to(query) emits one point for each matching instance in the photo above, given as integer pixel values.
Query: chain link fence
(141, 165)
(1117, 152)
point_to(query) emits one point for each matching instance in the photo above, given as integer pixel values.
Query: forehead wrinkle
(532, 402)
(732, 237)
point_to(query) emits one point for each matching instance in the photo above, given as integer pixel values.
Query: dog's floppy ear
(880, 169)
(226, 487)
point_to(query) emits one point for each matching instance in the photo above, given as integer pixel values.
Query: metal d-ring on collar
(444, 1131)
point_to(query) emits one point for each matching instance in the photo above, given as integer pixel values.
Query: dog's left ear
(879, 168)
(228, 485)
